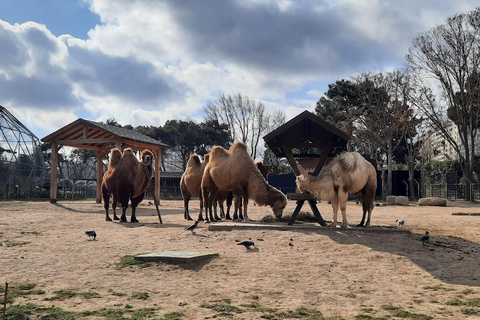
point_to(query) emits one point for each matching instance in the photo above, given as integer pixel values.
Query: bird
(247, 244)
(192, 227)
(91, 234)
(400, 222)
(425, 238)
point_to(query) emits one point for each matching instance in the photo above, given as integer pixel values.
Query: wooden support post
(53, 176)
(100, 156)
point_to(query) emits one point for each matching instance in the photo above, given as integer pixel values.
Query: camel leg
(334, 202)
(245, 204)
(237, 214)
(106, 200)
(135, 202)
(186, 199)
(123, 217)
(342, 202)
(365, 209)
(229, 205)
(114, 207)
(222, 209)
(217, 218)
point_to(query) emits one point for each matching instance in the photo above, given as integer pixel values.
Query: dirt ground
(343, 273)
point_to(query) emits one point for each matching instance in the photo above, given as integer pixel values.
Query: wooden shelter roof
(97, 136)
(306, 132)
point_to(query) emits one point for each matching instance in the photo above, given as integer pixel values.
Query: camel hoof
(116, 218)
(123, 220)
(228, 217)
(134, 220)
(108, 219)
(200, 219)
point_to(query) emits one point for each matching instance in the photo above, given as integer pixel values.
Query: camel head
(146, 158)
(278, 207)
(300, 182)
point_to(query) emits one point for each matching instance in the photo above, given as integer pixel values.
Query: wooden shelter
(307, 142)
(100, 138)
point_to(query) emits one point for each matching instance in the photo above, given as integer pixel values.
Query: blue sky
(144, 62)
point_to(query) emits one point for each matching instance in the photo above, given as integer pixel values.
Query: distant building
(436, 148)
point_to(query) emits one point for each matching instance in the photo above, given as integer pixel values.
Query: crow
(192, 227)
(91, 234)
(247, 244)
(400, 222)
(425, 238)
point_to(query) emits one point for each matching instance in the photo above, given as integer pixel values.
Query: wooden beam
(291, 159)
(323, 158)
(82, 141)
(158, 158)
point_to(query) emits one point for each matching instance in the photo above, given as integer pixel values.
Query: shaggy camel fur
(115, 156)
(234, 170)
(348, 172)
(129, 181)
(190, 184)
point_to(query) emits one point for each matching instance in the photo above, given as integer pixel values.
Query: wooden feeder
(308, 143)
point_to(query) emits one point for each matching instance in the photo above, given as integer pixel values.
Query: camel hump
(238, 146)
(349, 160)
(193, 160)
(218, 151)
(115, 156)
(206, 158)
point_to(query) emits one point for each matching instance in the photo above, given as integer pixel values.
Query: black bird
(425, 238)
(400, 222)
(91, 234)
(246, 243)
(193, 226)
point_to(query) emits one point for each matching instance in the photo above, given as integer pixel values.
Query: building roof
(171, 175)
(88, 134)
(306, 131)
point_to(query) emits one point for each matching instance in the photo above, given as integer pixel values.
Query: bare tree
(449, 54)
(247, 119)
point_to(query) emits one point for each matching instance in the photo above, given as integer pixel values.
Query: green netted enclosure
(22, 167)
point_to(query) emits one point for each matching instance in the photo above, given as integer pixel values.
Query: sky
(143, 62)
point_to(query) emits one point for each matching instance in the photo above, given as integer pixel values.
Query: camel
(129, 181)
(190, 183)
(347, 173)
(234, 170)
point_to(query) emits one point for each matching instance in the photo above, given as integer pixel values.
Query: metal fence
(452, 191)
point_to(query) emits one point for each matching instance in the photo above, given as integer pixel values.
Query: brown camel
(349, 172)
(129, 181)
(234, 170)
(190, 183)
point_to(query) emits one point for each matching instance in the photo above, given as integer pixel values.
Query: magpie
(246, 243)
(91, 234)
(425, 238)
(192, 227)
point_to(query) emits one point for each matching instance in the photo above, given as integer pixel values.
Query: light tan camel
(190, 183)
(234, 170)
(129, 181)
(349, 172)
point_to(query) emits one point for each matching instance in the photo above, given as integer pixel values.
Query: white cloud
(151, 61)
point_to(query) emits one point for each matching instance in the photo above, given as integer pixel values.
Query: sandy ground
(342, 273)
